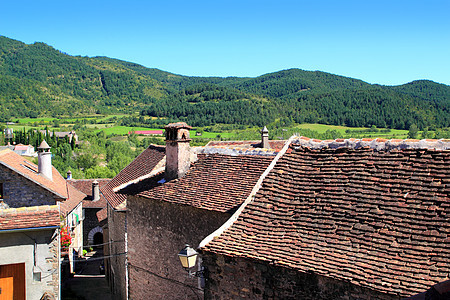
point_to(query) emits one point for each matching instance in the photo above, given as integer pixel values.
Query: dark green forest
(37, 80)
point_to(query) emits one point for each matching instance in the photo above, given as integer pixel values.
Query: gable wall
(19, 191)
(157, 231)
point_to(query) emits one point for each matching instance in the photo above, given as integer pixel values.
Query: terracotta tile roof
(75, 197)
(140, 168)
(378, 143)
(85, 186)
(29, 217)
(102, 214)
(377, 218)
(21, 147)
(147, 132)
(29, 170)
(274, 144)
(214, 182)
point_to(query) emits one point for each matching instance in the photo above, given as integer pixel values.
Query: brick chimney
(45, 160)
(177, 150)
(265, 138)
(95, 191)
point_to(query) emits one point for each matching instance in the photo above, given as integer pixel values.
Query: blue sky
(386, 42)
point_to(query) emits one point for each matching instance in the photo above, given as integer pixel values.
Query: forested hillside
(38, 80)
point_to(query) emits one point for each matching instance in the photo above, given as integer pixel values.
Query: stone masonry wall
(90, 222)
(53, 261)
(238, 278)
(157, 231)
(118, 272)
(19, 191)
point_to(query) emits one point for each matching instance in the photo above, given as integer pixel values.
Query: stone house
(24, 185)
(62, 134)
(148, 168)
(29, 252)
(25, 150)
(344, 219)
(194, 194)
(145, 165)
(93, 203)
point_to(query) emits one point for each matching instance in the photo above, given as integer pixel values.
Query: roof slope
(75, 197)
(140, 168)
(214, 182)
(379, 219)
(276, 145)
(27, 169)
(85, 186)
(29, 217)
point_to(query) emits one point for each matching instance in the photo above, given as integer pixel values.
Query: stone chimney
(265, 138)
(69, 175)
(177, 150)
(45, 160)
(95, 191)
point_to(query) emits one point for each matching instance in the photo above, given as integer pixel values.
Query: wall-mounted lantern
(188, 258)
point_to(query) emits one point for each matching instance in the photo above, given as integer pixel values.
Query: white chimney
(177, 150)
(45, 160)
(95, 191)
(265, 138)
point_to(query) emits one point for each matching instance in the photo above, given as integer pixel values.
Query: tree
(413, 131)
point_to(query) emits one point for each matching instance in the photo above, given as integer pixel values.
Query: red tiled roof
(75, 197)
(27, 169)
(147, 132)
(139, 168)
(276, 145)
(85, 186)
(21, 147)
(29, 217)
(377, 218)
(214, 182)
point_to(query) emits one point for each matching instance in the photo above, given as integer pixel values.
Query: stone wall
(117, 274)
(157, 231)
(19, 247)
(90, 222)
(239, 278)
(19, 191)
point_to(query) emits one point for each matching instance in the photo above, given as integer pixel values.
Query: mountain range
(38, 80)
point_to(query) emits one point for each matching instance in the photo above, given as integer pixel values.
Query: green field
(34, 120)
(121, 130)
(212, 135)
(107, 125)
(321, 128)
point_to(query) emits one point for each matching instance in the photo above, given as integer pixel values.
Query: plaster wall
(18, 247)
(76, 228)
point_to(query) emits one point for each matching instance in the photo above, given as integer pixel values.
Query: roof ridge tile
(378, 144)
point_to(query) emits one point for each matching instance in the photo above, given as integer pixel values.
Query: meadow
(108, 124)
